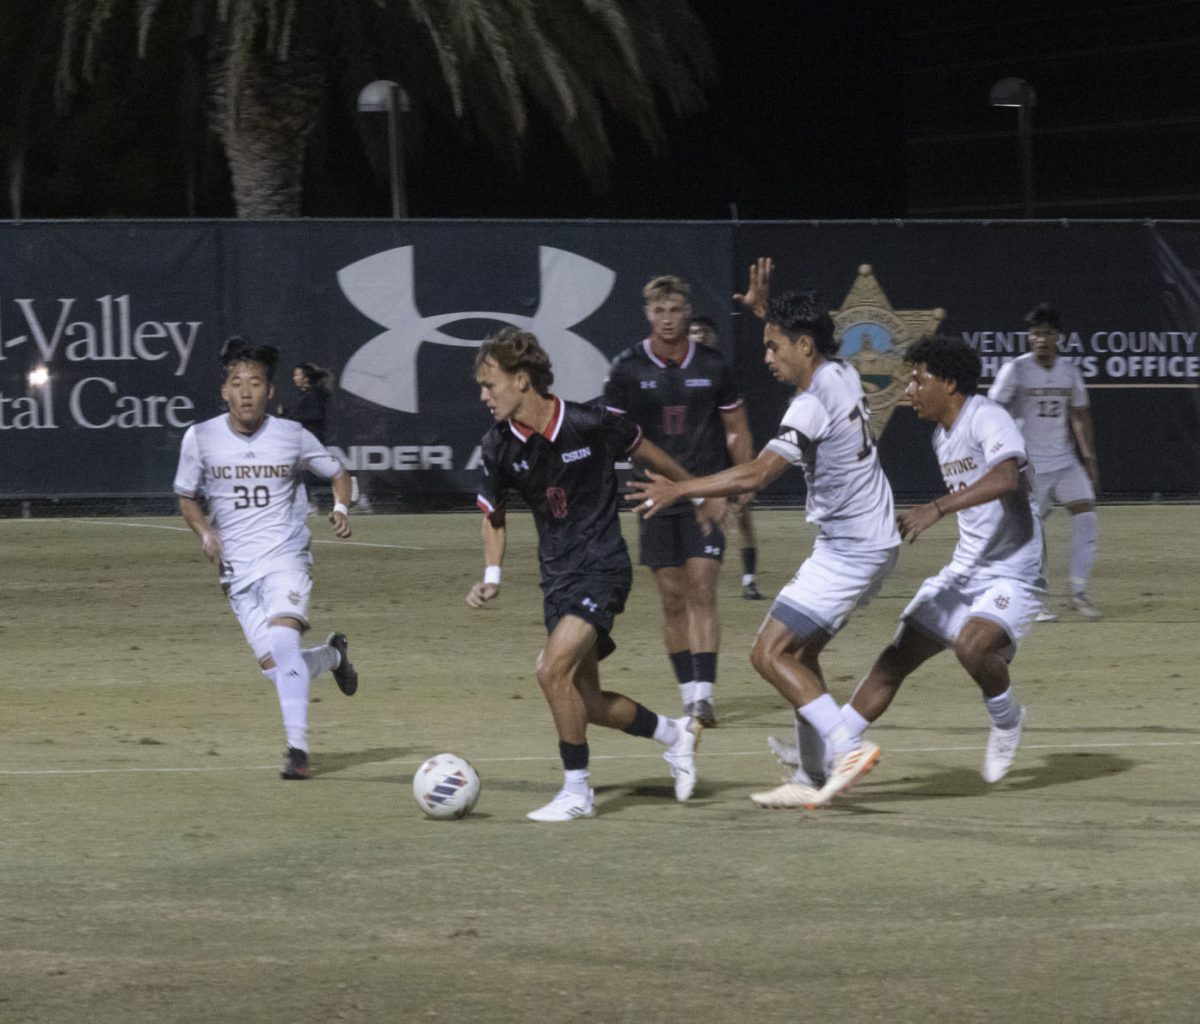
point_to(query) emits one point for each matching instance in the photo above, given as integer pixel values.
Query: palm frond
(147, 9)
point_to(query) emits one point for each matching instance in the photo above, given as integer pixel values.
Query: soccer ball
(446, 786)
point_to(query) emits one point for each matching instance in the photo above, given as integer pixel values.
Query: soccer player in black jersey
(684, 397)
(703, 331)
(559, 457)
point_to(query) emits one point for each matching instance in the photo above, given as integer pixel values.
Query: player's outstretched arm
(654, 494)
(340, 516)
(495, 539)
(194, 516)
(758, 289)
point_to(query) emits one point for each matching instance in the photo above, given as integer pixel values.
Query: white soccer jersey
(1041, 400)
(826, 430)
(255, 495)
(997, 538)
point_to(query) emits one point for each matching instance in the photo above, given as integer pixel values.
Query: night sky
(878, 109)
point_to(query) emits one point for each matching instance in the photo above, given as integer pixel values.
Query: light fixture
(1016, 92)
(384, 96)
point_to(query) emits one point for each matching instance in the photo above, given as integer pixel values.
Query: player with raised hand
(245, 465)
(560, 458)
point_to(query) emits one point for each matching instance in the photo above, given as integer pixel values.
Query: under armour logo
(520, 467)
(384, 370)
(1001, 601)
(589, 604)
(711, 549)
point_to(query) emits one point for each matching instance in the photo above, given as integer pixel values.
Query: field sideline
(156, 869)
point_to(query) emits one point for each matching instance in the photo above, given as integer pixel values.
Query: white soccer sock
(320, 659)
(748, 577)
(689, 693)
(702, 691)
(826, 718)
(291, 683)
(666, 731)
(1003, 710)
(854, 721)
(576, 781)
(810, 748)
(1085, 529)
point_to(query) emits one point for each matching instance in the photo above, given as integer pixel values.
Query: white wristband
(339, 507)
(492, 575)
(697, 501)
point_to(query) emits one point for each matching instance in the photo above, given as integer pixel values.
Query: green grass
(153, 867)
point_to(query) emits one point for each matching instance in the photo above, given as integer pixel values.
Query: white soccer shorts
(944, 602)
(1061, 487)
(276, 595)
(833, 581)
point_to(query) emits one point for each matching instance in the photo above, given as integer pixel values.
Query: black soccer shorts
(670, 540)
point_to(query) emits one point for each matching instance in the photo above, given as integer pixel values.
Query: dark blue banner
(110, 332)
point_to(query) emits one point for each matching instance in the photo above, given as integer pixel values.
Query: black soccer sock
(750, 561)
(644, 723)
(574, 756)
(681, 662)
(704, 666)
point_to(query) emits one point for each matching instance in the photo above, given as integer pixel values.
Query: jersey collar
(687, 359)
(552, 428)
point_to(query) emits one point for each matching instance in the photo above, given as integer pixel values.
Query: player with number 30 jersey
(254, 492)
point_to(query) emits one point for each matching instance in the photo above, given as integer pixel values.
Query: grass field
(154, 868)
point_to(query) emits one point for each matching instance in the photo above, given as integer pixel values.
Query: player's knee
(972, 653)
(549, 678)
(702, 598)
(764, 655)
(891, 666)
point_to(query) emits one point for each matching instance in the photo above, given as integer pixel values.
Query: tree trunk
(264, 123)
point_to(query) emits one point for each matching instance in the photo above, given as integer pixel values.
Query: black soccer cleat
(295, 764)
(345, 675)
(702, 711)
(750, 591)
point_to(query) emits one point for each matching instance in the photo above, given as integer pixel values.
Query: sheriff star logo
(874, 337)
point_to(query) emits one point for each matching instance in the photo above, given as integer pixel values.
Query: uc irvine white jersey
(1041, 401)
(255, 495)
(826, 430)
(997, 538)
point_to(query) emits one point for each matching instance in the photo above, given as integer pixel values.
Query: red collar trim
(525, 432)
(648, 349)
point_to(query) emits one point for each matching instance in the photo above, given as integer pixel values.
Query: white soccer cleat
(785, 753)
(566, 806)
(681, 756)
(795, 793)
(1045, 615)
(1085, 607)
(1002, 749)
(847, 771)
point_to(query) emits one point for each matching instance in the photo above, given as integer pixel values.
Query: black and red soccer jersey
(678, 406)
(566, 476)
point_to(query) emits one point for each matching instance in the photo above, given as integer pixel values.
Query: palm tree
(267, 72)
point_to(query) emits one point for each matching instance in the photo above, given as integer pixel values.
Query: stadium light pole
(384, 96)
(1016, 92)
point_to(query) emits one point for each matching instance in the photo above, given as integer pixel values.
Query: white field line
(184, 529)
(413, 762)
